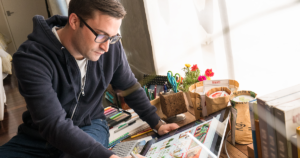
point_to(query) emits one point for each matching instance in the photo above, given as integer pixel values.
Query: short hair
(86, 8)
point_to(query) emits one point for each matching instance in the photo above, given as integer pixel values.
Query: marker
(155, 91)
(111, 109)
(152, 93)
(107, 108)
(130, 123)
(110, 100)
(116, 115)
(149, 93)
(131, 120)
(145, 89)
(110, 112)
(122, 125)
(165, 88)
(120, 118)
(105, 111)
(109, 95)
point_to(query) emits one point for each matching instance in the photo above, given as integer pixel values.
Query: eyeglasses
(102, 38)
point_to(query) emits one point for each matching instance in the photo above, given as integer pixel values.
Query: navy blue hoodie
(50, 80)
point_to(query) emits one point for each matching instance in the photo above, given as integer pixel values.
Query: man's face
(84, 41)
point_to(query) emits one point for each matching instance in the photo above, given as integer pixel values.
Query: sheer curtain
(264, 38)
(177, 36)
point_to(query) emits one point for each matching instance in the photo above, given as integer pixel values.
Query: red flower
(181, 80)
(209, 73)
(194, 67)
(201, 78)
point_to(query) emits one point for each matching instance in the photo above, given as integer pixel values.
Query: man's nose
(105, 46)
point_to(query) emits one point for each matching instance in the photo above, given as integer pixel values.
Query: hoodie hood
(42, 31)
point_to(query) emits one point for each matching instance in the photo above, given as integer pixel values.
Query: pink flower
(201, 78)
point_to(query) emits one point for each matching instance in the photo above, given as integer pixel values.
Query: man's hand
(138, 155)
(163, 129)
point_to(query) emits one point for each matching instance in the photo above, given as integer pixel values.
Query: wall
(5, 30)
(58, 7)
(136, 39)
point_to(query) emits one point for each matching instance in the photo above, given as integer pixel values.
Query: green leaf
(252, 94)
(232, 103)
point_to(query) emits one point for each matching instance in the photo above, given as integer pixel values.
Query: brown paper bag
(243, 133)
(196, 101)
(219, 103)
(233, 124)
(197, 93)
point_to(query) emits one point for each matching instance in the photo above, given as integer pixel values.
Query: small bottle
(165, 88)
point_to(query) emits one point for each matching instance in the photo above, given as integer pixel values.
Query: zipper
(82, 89)
(75, 106)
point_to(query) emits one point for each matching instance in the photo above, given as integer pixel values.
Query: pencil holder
(172, 104)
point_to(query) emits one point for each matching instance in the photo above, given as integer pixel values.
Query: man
(63, 70)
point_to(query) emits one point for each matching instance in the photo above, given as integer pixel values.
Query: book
(251, 152)
(294, 146)
(268, 131)
(257, 132)
(263, 129)
(258, 142)
(138, 126)
(298, 141)
(287, 120)
(251, 110)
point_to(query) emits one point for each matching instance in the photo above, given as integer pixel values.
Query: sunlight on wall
(176, 35)
(265, 43)
(265, 36)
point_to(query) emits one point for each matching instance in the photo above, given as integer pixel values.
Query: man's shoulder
(29, 48)
(33, 52)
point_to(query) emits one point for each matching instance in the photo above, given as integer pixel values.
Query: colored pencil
(138, 129)
(141, 133)
(147, 129)
(122, 137)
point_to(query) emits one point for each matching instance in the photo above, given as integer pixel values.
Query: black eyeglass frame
(94, 32)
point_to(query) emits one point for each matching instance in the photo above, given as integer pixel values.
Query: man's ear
(74, 21)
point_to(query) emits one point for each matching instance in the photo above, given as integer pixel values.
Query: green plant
(191, 77)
